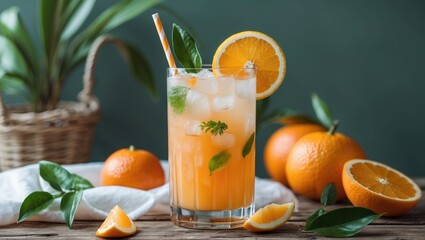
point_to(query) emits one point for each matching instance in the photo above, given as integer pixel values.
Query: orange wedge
(252, 49)
(379, 187)
(270, 217)
(117, 224)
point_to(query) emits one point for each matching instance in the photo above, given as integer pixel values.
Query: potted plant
(46, 127)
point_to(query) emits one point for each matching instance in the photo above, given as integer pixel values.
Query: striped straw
(164, 40)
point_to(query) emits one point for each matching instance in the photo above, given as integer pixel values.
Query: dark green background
(365, 58)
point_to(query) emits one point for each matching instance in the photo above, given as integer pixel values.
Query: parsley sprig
(214, 127)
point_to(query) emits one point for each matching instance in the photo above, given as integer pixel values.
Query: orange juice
(211, 137)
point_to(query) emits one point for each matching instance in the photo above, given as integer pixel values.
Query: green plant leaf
(57, 176)
(140, 68)
(11, 85)
(75, 13)
(49, 13)
(34, 203)
(113, 17)
(323, 112)
(185, 48)
(12, 28)
(342, 222)
(218, 161)
(81, 183)
(328, 195)
(69, 206)
(312, 217)
(177, 98)
(12, 61)
(248, 145)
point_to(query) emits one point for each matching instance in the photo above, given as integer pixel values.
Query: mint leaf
(218, 161)
(342, 222)
(248, 145)
(35, 203)
(185, 48)
(69, 205)
(312, 217)
(57, 176)
(177, 98)
(323, 112)
(81, 183)
(328, 195)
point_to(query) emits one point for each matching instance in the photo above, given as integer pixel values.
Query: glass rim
(209, 66)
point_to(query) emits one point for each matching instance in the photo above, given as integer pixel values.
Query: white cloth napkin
(96, 203)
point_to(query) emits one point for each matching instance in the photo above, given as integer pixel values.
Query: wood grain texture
(409, 226)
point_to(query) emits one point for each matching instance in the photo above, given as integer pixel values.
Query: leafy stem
(214, 127)
(70, 187)
(340, 222)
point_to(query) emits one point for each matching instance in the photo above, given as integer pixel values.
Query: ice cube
(192, 127)
(206, 85)
(226, 140)
(176, 81)
(205, 73)
(246, 88)
(223, 103)
(249, 126)
(197, 104)
(226, 85)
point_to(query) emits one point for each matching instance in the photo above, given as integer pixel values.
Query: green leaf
(34, 203)
(323, 112)
(69, 206)
(215, 127)
(312, 217)
(113, 17)
(10, 84)
(218, 161)
(185, 48)
(248, 145)
(177, 98)
(75, 13)
(12, 61)
(12, 28)
(140, 68)
(49, 13)
(342, 222)
(57, 176)
(328, 195)
(81, 183)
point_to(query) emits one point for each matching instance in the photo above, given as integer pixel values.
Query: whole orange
(318, 159)
(280, 143)
(132, 168)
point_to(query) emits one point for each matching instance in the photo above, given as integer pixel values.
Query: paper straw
(164, 41)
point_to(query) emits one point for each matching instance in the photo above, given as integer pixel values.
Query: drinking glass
(211, 146)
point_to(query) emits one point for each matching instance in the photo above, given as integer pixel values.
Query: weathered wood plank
(167, 230)
(409, 226)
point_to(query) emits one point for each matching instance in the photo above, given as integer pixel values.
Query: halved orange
(116, 224)
(252, 49)
(270, 217)
(380, 188)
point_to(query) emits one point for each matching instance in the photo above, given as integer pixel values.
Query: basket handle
(86, 95)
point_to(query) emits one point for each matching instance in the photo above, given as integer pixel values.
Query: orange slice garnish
(252, 49)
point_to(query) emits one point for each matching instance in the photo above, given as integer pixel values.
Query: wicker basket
(63, 135)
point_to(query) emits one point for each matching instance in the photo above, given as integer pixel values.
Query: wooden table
(410, 226)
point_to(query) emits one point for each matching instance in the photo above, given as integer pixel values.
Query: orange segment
(253, 49)
(270, 217)
(116, 224)
(379, 187)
